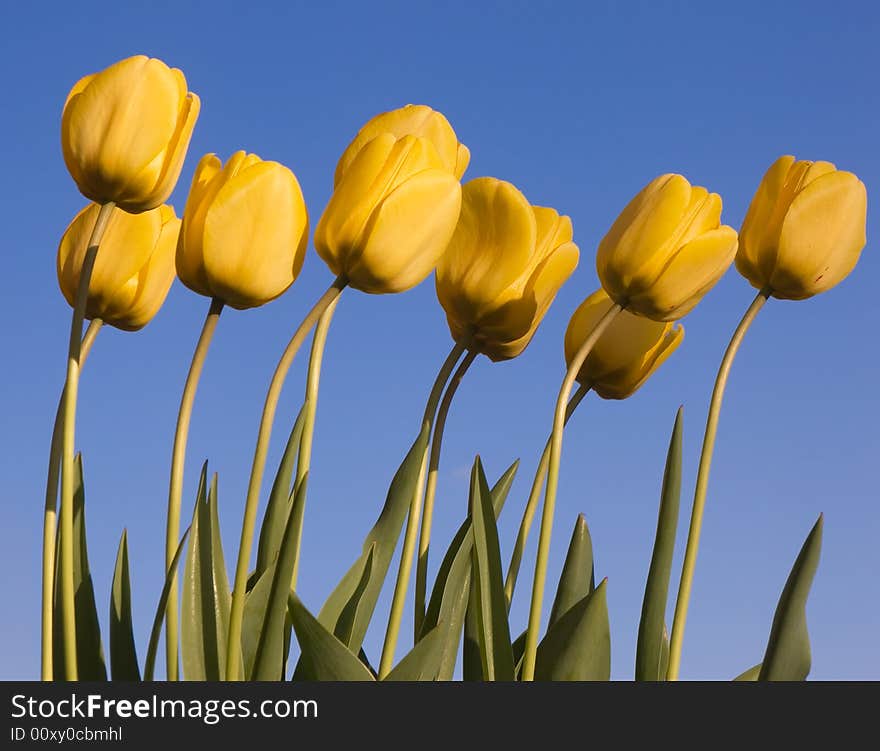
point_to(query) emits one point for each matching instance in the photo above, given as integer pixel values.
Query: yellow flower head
(804, 230)
(395, 202)
(134, 267)
(503, 268)
(245, 229)
(666, 250)
(125, 131)
(627, 353)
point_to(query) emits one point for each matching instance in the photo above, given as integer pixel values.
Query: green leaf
(123, 653)
(449, 596)
(89, 650)
(578, 646)
(649, 647)
(751, 674)
(269, 655)
(471, 659)
(206, 599)
(153, 645)
(280, 500)
(788, 650)
(423, 661)
(576, 580)
(328, 659)
(493, 629)
(519, 648)
(382, 541)
(255, 605)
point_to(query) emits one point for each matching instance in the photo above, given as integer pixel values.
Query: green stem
(175, 484)
(233, 646)
(693, 540)
(412, 522)
(431, 491)
(532, 503)
(50, 514)
(68, 436)
(531, 645)
(304, 460)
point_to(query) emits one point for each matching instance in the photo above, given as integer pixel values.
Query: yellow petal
(463, 159)
(253, 234)
(491, 248)
(634, 250)
(822, 236)
(190, 260)
(689, 275)
(415, 120)
(627, 381)
(408, 233)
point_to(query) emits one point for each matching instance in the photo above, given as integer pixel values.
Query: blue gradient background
(578, 104)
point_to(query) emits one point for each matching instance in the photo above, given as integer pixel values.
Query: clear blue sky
(578, 104)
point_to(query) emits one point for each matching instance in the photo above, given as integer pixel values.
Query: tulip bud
(125, 131)
(666, 250)
(134, 267)
(626, 354)
(391, 215)
(411, 120)
(503, 268)
(245, 229)
(804, 230)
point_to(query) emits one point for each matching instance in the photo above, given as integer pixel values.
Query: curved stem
(68, 435)
(532, 503)
(693, 540)
(431, 491)
(304, 458)
(412, 522)
(233, 646)
(50, 514)
(175, 484)
(531, 645)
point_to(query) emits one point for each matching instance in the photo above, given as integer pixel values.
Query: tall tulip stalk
(398, 212)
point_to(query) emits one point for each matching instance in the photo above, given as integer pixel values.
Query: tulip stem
(68, 436)
(304, 458)
(233, 646)
(531, 645)
(431, 490)
(532, 503)
(693, 540)
(50, 514)
(175, 484)
(412, 522)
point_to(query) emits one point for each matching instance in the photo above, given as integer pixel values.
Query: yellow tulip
(626, 354)
(245, 229)
(411, 120)
(804, 230)
(503, 268)
(666, 250)
(134, 267)
(125, 131)
(391, 215)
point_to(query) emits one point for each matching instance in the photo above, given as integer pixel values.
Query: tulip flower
(627, 353)
(503, 268)
(245, 229)
(125, 132)
(804, 230)
(132, 273)
(391, 215)
(411, 120)
(666, 250)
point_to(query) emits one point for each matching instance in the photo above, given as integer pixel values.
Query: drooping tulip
(133, 270)
(245, 229)
(391, 215)
(666, 250)
(503, 268)
(626, 354)
(804, 230)
(125, 132)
